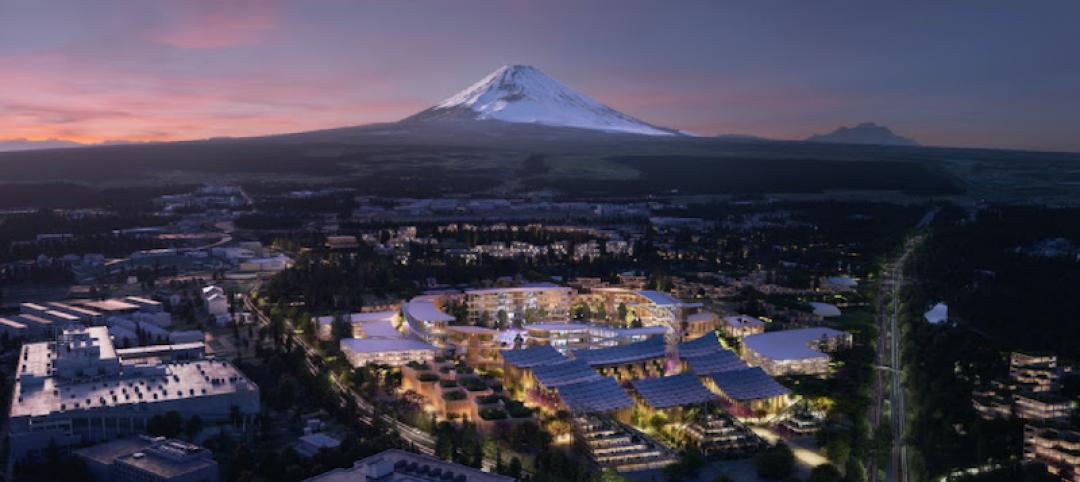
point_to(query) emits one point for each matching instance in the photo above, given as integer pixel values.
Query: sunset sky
(955, 73)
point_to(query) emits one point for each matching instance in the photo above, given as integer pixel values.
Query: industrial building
(77, 389)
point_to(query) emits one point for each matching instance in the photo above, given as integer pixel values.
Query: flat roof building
(739, 326)
(76, 389)
(396, 465)
(143, 458)
(386, 351)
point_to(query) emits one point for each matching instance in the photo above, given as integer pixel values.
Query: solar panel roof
(600, 395)
(700, 346)
(673, 391)
(642, 350)
(533, 356)
(565, 373)
(748, 384)
(720, 361)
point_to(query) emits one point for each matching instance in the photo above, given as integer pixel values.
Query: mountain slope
(524, 94)
(865, 133)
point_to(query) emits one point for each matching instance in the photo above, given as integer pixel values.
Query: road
(421, 440)
(890, 363)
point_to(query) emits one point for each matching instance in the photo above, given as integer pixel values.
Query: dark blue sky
(956, 73)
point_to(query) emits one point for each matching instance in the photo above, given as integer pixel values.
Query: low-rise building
(78, 389)
(397, 465)
(386, 351)
(1056, 447)
(739, 326)
(802, 351)
(143, 458)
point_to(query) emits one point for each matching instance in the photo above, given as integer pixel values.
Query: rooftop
(721, 361)
(703, 345)
(748, 384)
(790, 344)
(382, 345)
(519, 289)
(425, 310)
(532, 356)
(472, 329)
(659, 298)
(110, 305)
(41, 390)
(396, 465)
(741, 321)
(594, 396)
(556, 326)
(564, 373)
(642, 350)
(826, 310)
(673, 391)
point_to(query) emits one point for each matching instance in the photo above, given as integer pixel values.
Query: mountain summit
(524, 94)
(865, 133)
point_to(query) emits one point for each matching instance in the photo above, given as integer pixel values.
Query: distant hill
(27, 144)
(867, 133)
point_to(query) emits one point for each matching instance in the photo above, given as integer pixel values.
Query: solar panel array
(700, 346)
(716, 362)
(565, 373)
(642, 350)
(673, 391)
(748, 384)
(533, 356)
(595, 396)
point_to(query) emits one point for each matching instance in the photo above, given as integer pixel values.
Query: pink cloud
(202, 24)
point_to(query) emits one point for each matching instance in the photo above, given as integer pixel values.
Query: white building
(77, 389)
(386, 351)
(802, 351)
(217, 305)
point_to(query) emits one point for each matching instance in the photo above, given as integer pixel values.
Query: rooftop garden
(492, 414)
(517, 409)
(454, 395)
(415, 365)
(448, 383)
(473, 384)
(488, 399)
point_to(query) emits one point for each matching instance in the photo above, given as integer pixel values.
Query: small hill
(866, 133)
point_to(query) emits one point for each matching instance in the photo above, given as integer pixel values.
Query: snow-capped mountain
(524, 94)
(865, 133)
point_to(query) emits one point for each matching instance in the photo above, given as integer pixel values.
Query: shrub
(492, 414)
(454, 395)
(428, 377)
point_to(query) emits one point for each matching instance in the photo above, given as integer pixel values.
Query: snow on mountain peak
(524, 94)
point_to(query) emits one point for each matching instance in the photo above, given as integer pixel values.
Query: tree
(854, 471)
(193, 426)
(168, 425)
(515, 468)
(775, 463)
(722, 478)
(502, 318)
(838, 448)
(825, 473)
(341, 328)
